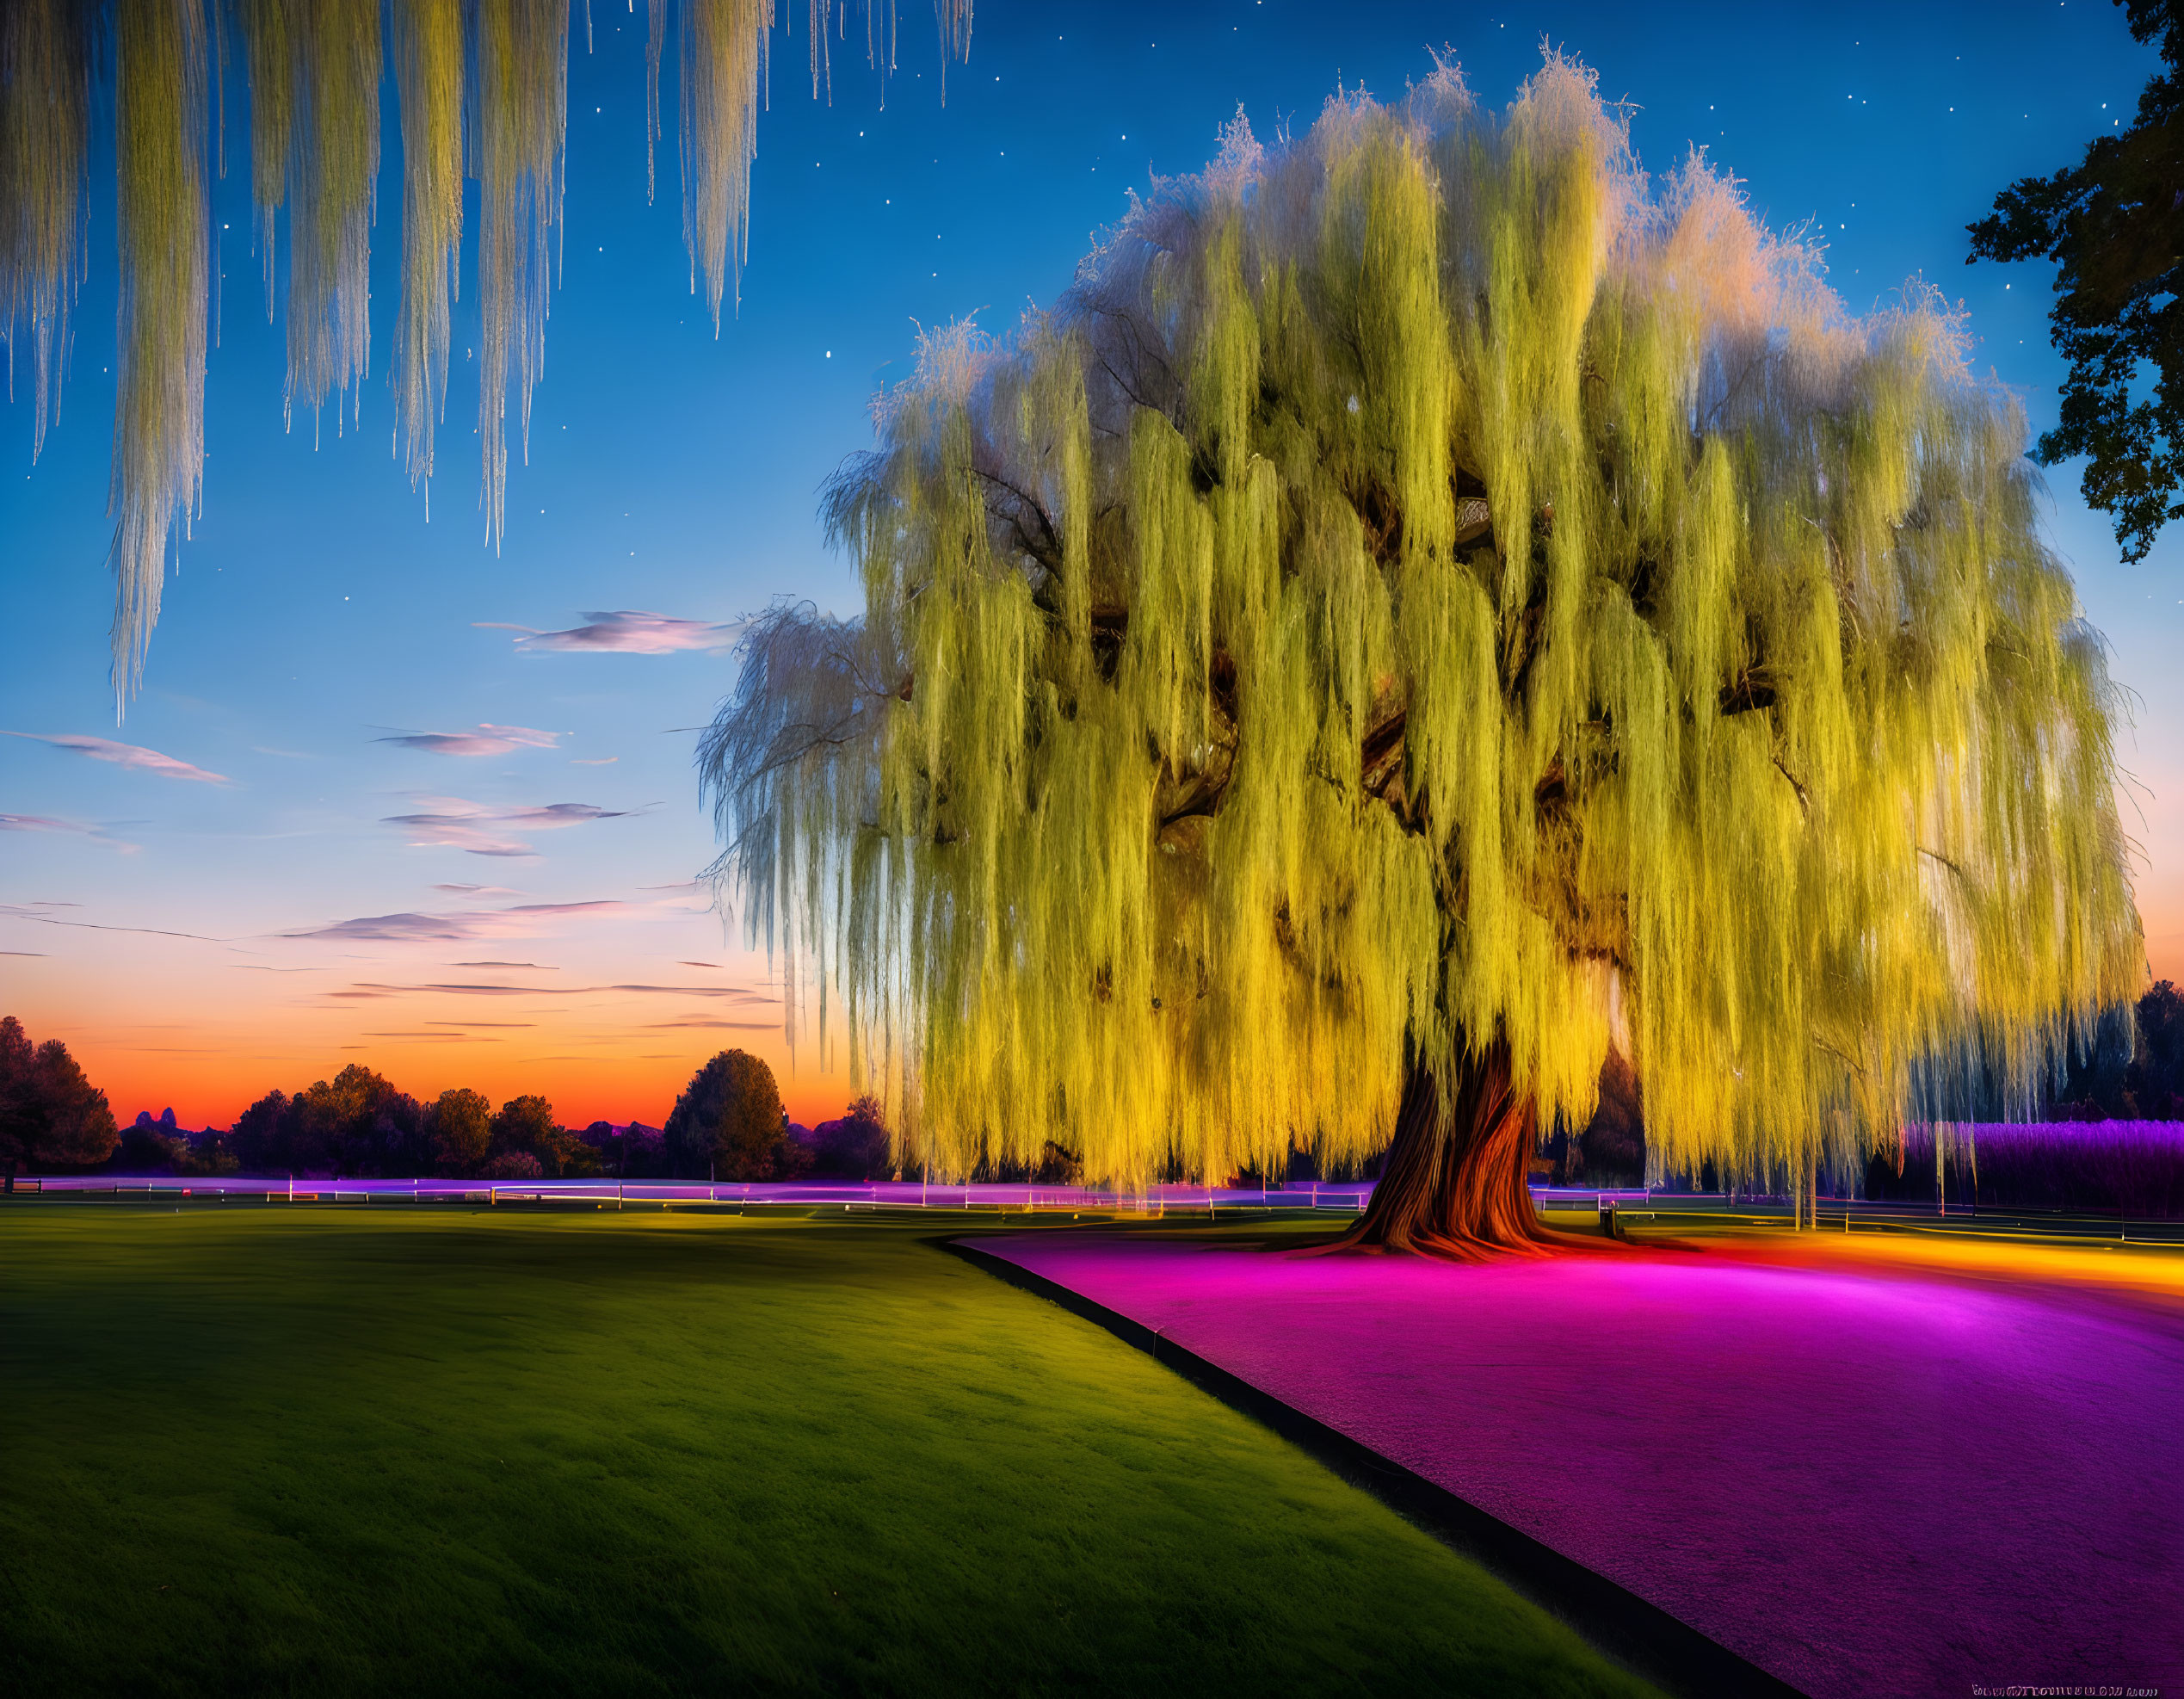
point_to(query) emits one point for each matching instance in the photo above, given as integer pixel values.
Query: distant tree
(525, 1123)
(359, 1122)
(2131, 1068)
(208, 1152)
(566, 1155)
(2157, 1071)
(728, 1121)
(2114, 224)
(51, 1116)
(627, 1152)
(258, 1137)
(150, 1146)
(795, 1158)
(643, 1151)
(856, 1146)
(461, 1126)
(515, 1165)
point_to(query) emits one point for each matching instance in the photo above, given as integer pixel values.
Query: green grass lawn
(251, 1448)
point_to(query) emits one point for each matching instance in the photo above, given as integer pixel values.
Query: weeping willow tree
(1430, 605)
(482, 89)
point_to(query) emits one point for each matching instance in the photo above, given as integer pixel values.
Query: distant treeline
(728, 1124)
(2136, 1070)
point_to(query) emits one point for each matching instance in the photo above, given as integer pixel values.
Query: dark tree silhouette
(524, 1123)
(855, 1146)
(727, 1122)
(358, 1122)
(2114, 224)
(51, 1116)
(461, 1124)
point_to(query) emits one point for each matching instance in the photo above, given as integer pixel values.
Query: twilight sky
(387, 797)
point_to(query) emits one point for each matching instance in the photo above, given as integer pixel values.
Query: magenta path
(1869, 1483)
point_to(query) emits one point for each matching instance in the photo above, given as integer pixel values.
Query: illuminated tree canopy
(1431, 603)
(482, 89)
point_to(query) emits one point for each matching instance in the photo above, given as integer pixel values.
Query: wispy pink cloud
(43, 823)
(626, 632)
(453, 823)
(747, 995)
(526, 921)
(487, 740)
(123, 755)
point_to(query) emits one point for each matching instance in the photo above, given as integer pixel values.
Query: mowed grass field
(318, 1451)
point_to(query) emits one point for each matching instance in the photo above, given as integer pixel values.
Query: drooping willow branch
(479, 84)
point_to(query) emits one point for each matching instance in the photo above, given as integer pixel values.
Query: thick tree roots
(1453, 1183)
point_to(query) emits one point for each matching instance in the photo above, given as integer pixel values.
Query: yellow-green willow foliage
(429, 82)
(1426, 587)
(44, 130)
(481, 86)
(724, 70)
(314, 77)
(159, 126)
(523, 119)
(725, 76)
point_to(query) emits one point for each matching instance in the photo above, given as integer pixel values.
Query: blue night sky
(317, 613)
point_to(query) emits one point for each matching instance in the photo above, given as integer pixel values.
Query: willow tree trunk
(1454, 1182)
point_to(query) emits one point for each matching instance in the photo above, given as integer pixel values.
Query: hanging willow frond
(522, 124)
(655, 45)
(724, 84)
(314, 72)
(429, 81)
(268, 61)
(45, 133)
(334, 168)
(481, 83)
(160, 65)
(953, 17)
(820, 16)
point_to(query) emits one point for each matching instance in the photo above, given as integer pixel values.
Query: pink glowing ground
(1866, 1475)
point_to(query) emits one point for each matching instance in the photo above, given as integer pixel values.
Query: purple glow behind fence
(1008, 1197)
(2133, 1167)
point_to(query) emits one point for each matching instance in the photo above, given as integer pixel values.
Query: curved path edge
(1642, 1637)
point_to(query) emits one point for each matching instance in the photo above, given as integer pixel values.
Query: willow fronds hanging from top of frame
(481, 86)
